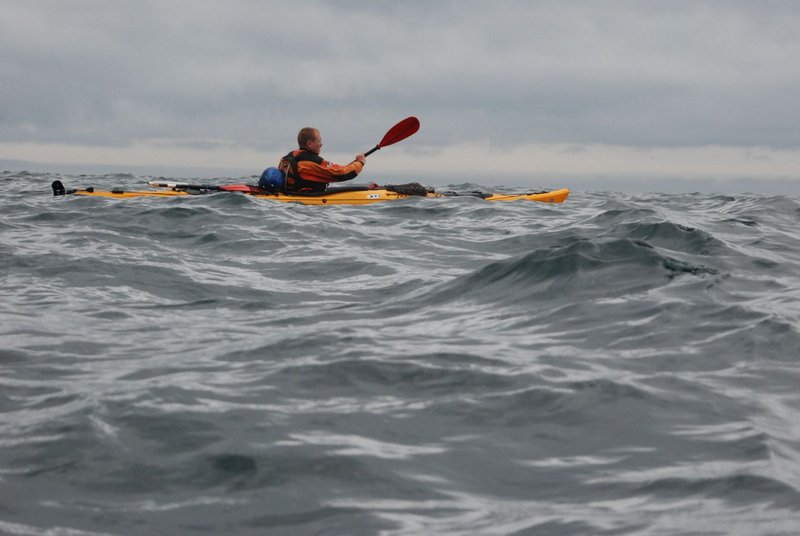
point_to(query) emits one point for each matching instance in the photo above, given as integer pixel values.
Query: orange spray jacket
(307, 171)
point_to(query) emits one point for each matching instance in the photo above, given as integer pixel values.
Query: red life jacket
(307, 171)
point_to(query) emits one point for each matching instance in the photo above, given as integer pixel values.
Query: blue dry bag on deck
(272, 179)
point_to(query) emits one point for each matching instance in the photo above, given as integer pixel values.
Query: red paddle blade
(400, 131)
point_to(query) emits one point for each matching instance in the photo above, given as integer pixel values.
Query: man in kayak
(307, 171)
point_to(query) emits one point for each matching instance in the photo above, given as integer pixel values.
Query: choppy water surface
(218, 364)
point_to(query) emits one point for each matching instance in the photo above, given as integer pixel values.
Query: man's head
(310, 138)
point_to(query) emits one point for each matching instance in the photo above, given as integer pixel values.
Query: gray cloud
(251, 73)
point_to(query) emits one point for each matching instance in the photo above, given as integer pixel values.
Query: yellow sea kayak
(353, 195)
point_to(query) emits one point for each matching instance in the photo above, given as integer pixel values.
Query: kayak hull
(379, 195)
(332, 197)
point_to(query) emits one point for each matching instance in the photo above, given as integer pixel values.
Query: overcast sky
(634, 90)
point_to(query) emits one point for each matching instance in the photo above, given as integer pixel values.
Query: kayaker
(307, 171)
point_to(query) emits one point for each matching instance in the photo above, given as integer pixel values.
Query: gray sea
(619, 364)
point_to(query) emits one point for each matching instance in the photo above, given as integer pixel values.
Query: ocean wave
(616, 364)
